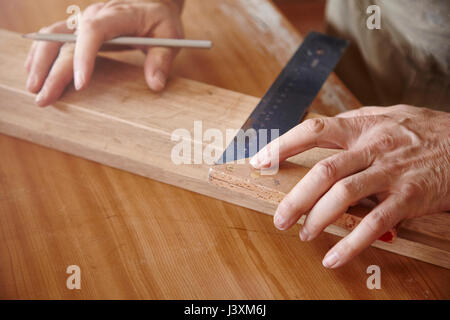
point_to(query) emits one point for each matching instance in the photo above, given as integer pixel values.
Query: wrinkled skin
(399, 154)
(52, 66)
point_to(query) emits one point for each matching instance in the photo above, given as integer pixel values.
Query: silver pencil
(155, 42)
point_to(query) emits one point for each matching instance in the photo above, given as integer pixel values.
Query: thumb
(157, 66)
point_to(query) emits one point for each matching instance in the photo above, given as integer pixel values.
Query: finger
(342, 195)
(317, 132)
(30, 55)
(59, 77)
(361, 112)
(43, 57)
(159, 60)
(92, 32)
(316, 182)
(383, 217)
(157, 67)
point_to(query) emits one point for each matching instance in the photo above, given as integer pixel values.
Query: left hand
(51, 66)
(400, 154)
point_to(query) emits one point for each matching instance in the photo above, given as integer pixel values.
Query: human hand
(51, 66)
(399, 154)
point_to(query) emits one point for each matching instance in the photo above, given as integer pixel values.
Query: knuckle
(67, 50)
(380, 220)
(411, 190)
(97, 28)
(386, 142)
(120, 7)
(347, 188)
(114, 3)
(50, 82)
(287, 206)
(368, 121)
(54, 80)
(315, 125)
(386, 172)
(373, 120)
(327, 169)
(173, 32)
(91, 23)
(91, 9)
(367, 155)
(401, 107)
(347, 248)
(165, 57)
(394, 166)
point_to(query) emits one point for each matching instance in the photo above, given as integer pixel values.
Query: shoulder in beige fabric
(406, 61)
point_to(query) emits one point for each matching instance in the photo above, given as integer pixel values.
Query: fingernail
(254, 162)
(330, 260)
(78, 80)
(279, 221)
(42, 95)
(32, 82)
(160, 77)
(264, 159)
(304, 235)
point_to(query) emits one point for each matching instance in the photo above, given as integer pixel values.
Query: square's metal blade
(286, 102)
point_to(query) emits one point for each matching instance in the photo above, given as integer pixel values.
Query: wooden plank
(136, 238)
(106, 124)
(256, 32)
(117, 121)
(432, 230)
(271, 189)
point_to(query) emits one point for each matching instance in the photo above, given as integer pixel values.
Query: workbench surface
(137, 238)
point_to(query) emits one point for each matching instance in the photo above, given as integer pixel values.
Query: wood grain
(253, 34)
(137, 238)
(118, 122)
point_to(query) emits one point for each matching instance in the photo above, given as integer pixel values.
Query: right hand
(51, 66)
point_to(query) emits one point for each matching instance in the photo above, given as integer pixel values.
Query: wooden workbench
(136, 238)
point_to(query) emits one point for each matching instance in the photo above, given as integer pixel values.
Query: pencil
(155, 42)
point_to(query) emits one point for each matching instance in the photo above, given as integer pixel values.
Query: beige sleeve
(406, 61)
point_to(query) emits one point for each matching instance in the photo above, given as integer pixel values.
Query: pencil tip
(28, 35)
